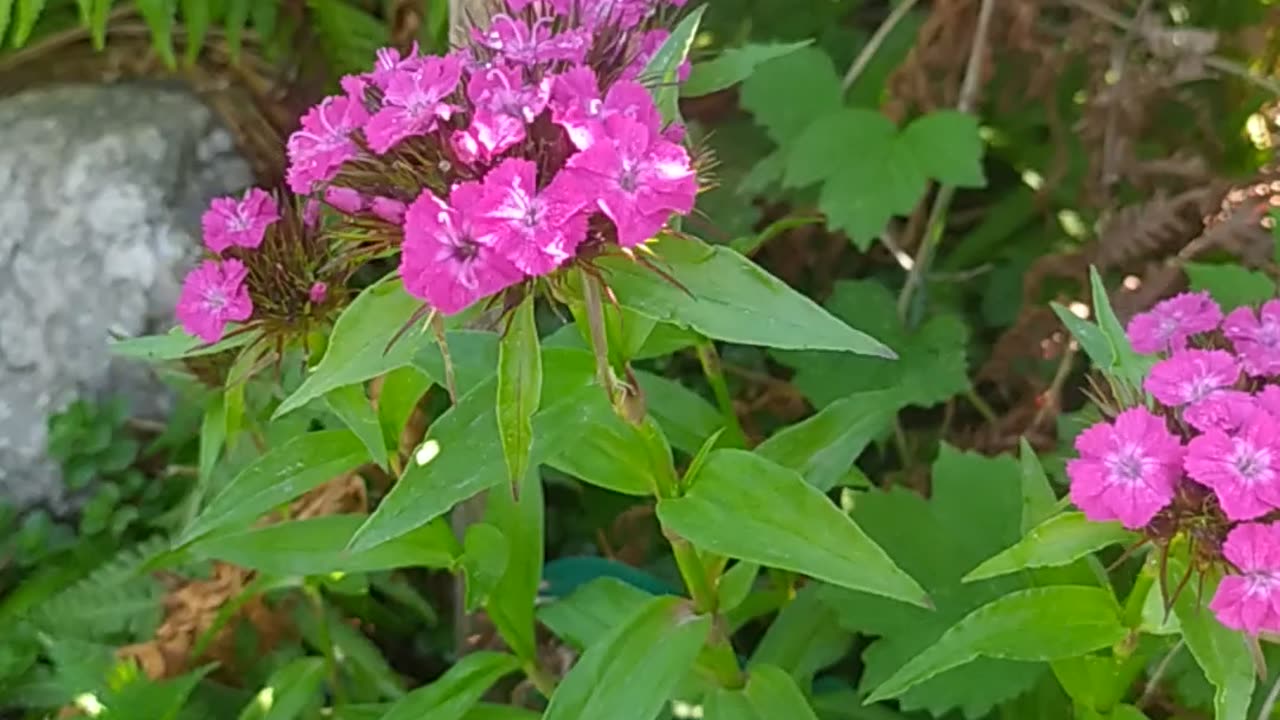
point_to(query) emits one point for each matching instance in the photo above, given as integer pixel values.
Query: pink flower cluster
(502, 160)
(1212, 431)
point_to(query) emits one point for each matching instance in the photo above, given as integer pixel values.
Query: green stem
(693, 572)
(326, 640)
(592, 298)
(451, 383)
(719, 659)
(714, 372)
(1138, 595)
(983, 408)
(541, 679)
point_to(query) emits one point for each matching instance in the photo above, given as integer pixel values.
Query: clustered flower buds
(1204, 460)
(534, 146)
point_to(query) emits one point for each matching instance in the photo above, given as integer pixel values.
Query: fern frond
(349, 35)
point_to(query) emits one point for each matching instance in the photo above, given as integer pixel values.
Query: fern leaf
(158, 15)
(99, 10)
(115, 600)
(237, 17)
(196, 20)
(28, 13)
(349, 35)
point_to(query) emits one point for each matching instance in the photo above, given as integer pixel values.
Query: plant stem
(868, 52)
(330, 661)
(592, 298)
(982, 407)
(714, 373)
(541, 679)
(437, 328)
(693, 572)
(718, 657)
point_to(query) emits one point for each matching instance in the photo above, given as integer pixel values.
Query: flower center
(1252, 463)
(1127, 464)
(627, 179)
(215, 299)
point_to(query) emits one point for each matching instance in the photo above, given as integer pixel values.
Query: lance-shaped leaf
(519, 390)
(457, 691)
(1060, 540)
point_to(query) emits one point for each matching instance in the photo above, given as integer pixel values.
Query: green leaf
(358, 347)
(289, 693)
(770, 694)
(281, 475)
(457, 691)
(631, 673)
(1219, 651)
(870, 187)
(28, 13)
(820, 151)
(511, 605)
(195, 21)
(1090, 337)
(1032, 625)
(159, 16)
(6, 14)
(593, 610)
(660, 73)
(686, 417)
(213, 435)
(352, 406)
(1232, 286)
(401, 391)
(484, 559)
(803, 639)
(519, 390)
(233, 25)
(823, 448)
(1038, 499)
(462, 454)
(613, 455)
(727, 297)
(747, 507)
(971, 514)
(733, 66)
(1128, 364)
(931, 367)
(318, 546)
(99, 10)
(947, 147)
(159, 700)
(787, 93)
(175, 345)
(735, 584)
(1060, 540)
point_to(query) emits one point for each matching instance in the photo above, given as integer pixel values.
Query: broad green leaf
(402, 389)
(733, 66)
(787, 93)
(631, 673)
(735, 584)
(352, 406)
(1127, 712)
(318, 546)
(820, 151)
(289, 693)
(747, 507)
(612, 455)
(511, 605)
(931, 367)
(593, 610)
(474, 354)
(25, 21)
(358, 347)
(727, 297)
(281, 475)
(1060, 540)
(484, 560)
(457, 691)
(661, 71)
(1231, 285)
(823, 448)
(686, 417)
(770, 694)
(947, 147)
(1219, 651)
(804, 639)
(462, 454)
(1032, 625)
(1038, 499)
(159, 16)
(519, 390)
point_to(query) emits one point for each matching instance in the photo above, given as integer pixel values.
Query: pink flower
(535, 230)
(1191, 375)
(1225, 410)
(1250, 601)
(241, 223)
(311, 213)
(1256, 337)
(517, 42)
(1168, 325)
(1269, 399)
(636, 178)
(324, 143)
(391, 64)
(576, 105)
(389, 210)
(214, 294)
(444, 260)
(625, 14)
(504, 103)
(345, 199)
(1126, 470)
(413, 102)
(1243, 469)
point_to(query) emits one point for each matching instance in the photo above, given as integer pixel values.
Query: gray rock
(101, 191)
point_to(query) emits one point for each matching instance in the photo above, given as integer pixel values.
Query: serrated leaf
(1231, 285)
(727, 297)
(519, 390)
(864, 194)
(1060, 540)
(1038, 624)
(281, 475)
(352, 406)
(770, 694)
(830, 142)
(822, 448)
(663, 67)
(947, 147)
(747, 507)
(457, 691)
(733, 66)
(787, 93)
(631, 673)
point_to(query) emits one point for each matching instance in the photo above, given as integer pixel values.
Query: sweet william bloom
(240, 223)
(576, 105)
(1168, 325)
(414, 101)
(390, 64)
(1268, 398)
(516, 41)
(637, 179)
(1126, 470)
(504, 104)
(388, 209)
(324, 143)
(214, 294)
(1250, 601)
(1225, 410)
(1243, 468)
(1191, 375)
(1256, 337)
(345, 199)
(444, 260)
(536, 230)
